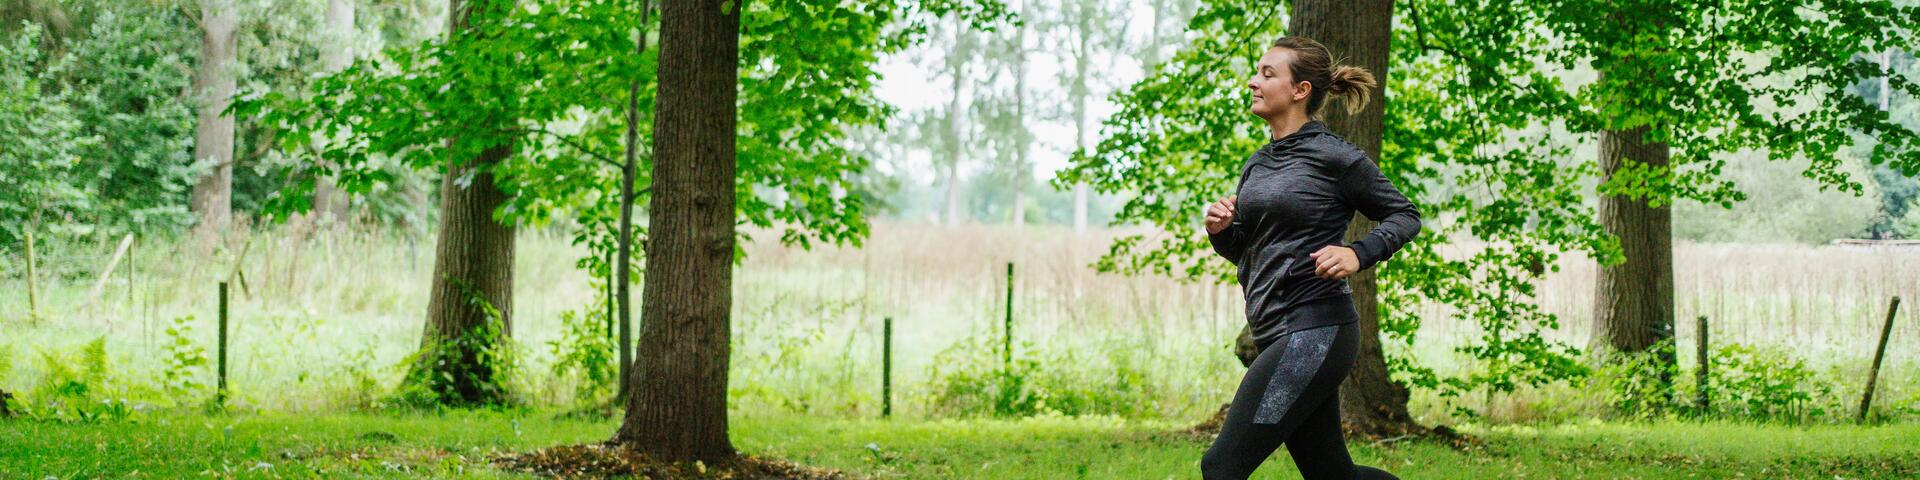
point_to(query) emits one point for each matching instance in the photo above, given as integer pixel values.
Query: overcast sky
(905, 84)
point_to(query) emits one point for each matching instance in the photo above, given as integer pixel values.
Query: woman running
(1301, 190)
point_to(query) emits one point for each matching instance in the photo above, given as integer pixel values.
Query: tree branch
(185, 10)
(1420, 36)
(603, 158)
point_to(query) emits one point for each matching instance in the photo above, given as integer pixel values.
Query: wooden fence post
(1702, 399)
(1006, 349)
(886, 369)
(1873, 373)
(220, 393)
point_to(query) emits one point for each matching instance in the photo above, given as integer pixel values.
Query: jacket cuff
(1367, 252)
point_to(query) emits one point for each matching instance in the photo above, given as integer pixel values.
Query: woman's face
(1272, 85)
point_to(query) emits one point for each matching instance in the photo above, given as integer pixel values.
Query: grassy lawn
(457, 445)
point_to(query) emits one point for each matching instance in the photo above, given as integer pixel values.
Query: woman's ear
(1302, 90)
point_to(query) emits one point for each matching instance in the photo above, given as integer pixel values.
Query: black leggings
(1291, 395)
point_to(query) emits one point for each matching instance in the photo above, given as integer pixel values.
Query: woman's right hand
(1220, 214)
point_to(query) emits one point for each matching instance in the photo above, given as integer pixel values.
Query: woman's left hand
(1335, 262)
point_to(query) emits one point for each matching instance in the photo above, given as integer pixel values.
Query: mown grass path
(458, 446)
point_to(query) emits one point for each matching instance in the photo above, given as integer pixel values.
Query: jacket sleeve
(1228, 242)
(1365, 189)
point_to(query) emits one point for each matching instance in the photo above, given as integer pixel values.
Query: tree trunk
(1633, 301)
(213, 136)
(1152, 57)
(33, 275)
(1023, 140)
(956, 66)
(472, 272)
(1371, 403)
(622, 272)
(678, 407)
(622, 275)
(1078, 94)
(952, 213)
(328, 200)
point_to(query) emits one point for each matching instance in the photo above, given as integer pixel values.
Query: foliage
(474, 364)
(970, 378)
(1639, 385)
(1755, 383)
(1182, 133)
(186, 362)
(771, 375)
(1474, 94)
(41, 164)
(1710, 80)
(584, 352)
(1744, 382)
(543, 80)
(74, 386)
(130, 71)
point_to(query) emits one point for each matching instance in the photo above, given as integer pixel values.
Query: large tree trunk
(1371, 404)
(213, 136)
(472, 272)
(1633, 301)
(678, 407)
(328, 200)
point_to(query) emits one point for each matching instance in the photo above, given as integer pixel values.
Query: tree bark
(678, 407)
(472, 270)
(328, 200)
(1633, 301)
(1371, 403)
(213, 136)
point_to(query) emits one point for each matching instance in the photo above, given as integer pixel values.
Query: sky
(912, 88)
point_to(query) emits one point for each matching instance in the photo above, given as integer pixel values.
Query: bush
(971, 378)
(1638, 384)
(75, 386)
(585, 354)
(1743, 382)
(186, 362)
(1764, 384)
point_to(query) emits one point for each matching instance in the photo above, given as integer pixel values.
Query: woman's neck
(1285, 124)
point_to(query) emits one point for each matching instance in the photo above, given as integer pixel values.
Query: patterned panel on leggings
(1306, 351)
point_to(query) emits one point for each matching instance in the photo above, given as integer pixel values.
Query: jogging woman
(1300, 190)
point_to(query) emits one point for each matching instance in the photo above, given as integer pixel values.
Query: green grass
(457, 444)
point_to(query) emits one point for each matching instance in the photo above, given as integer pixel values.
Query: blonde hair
(1312, 64)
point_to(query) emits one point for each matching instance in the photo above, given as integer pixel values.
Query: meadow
(325, 319)
(468, 444)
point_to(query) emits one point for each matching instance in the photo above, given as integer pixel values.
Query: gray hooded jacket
(1296, 196)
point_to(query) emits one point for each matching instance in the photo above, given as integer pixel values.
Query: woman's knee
(1212, 467)
(1217, 466)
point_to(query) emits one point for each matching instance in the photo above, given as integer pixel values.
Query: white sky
(913, 88)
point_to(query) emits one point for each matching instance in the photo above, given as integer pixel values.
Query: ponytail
(1312, 64)
(1353, 85)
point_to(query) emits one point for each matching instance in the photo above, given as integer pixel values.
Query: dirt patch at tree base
(608, 461)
